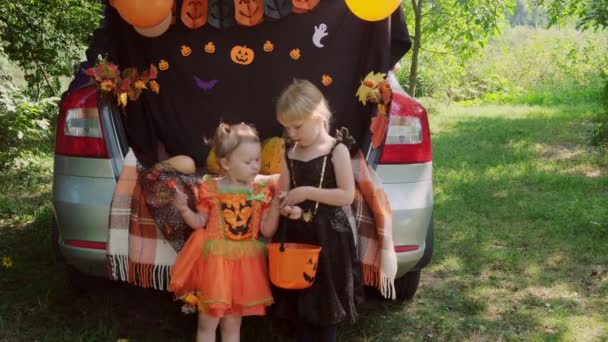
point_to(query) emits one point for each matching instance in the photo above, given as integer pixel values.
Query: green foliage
(446, 27)
(45, 38)
(588, 13)
(523, 64)
(23, 122)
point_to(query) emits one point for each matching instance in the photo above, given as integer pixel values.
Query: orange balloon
(155, 31)
(143, 13)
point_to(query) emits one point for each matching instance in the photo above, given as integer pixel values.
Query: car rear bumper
(409, 189)
(82, 210)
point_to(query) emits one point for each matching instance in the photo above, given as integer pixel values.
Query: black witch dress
(331, 298)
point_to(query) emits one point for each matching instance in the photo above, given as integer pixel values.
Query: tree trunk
(417, 7)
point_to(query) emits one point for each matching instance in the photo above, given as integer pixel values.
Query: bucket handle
(283, 234)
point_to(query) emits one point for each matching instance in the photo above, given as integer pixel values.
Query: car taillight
(79, 132)
(408, 138)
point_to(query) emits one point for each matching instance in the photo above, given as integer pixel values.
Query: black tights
(308, 332)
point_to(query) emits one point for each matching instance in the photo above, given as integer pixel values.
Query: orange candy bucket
(293, 266)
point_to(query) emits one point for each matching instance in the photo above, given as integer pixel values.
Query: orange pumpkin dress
(225, 264)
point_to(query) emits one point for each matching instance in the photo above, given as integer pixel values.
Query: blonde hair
(228, 138)
(298, 102)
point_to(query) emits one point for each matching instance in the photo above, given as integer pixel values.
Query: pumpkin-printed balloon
(221, 14)
(273, 150)
(242, 55)
(248, 12)
(277, 9)
(194, 13)
(301, 6)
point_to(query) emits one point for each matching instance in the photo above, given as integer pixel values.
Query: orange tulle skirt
(229, 277)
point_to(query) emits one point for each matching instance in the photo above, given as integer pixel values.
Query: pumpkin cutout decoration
(194, 13)
(326, 80)
(268, 46)
(303, 6)
(295, 54)
(209, 47)
(248, 12)
(277, 9)
(143, 13)
(185, 50)
(221, 14)
(272, 154)
(163, 65)
(242, 55)
(292, 265)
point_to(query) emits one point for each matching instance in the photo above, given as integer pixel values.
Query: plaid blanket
(373, 223)
(138, 252)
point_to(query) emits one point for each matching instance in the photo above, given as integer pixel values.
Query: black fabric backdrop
(183, 114)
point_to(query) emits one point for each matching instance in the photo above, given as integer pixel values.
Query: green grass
(521, 225)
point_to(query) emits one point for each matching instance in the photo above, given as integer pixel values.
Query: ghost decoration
(320, 33)
(221, 14)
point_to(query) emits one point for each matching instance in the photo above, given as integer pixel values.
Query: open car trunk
(208, 75)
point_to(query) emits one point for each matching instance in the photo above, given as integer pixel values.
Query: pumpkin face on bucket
(293, 265)
(309, 275)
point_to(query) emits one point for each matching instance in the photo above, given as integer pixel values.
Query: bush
(24, 124)
(599, 134)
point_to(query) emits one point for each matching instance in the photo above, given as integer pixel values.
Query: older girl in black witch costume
(318, 175)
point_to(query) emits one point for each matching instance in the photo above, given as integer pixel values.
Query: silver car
(91, 144)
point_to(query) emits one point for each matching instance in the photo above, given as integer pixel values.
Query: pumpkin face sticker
(268, 46)
(194, 13)
(248, 12)
(209, 47)
(242, 55)
(295, 54)
(221, 14)
(185, 50)
(163, 65)
(277, 9)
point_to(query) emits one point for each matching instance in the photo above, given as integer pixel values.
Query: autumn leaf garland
(127, 85)
(375, 89)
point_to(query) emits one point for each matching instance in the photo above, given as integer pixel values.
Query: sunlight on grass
(586, 328)
(451, 263)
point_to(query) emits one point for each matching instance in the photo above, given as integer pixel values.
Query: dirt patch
(561, 151)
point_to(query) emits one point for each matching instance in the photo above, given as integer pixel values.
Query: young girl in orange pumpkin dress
(317, 172)
(222, 268)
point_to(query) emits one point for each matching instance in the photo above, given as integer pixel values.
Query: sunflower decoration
(375, 89)
(126, 85)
